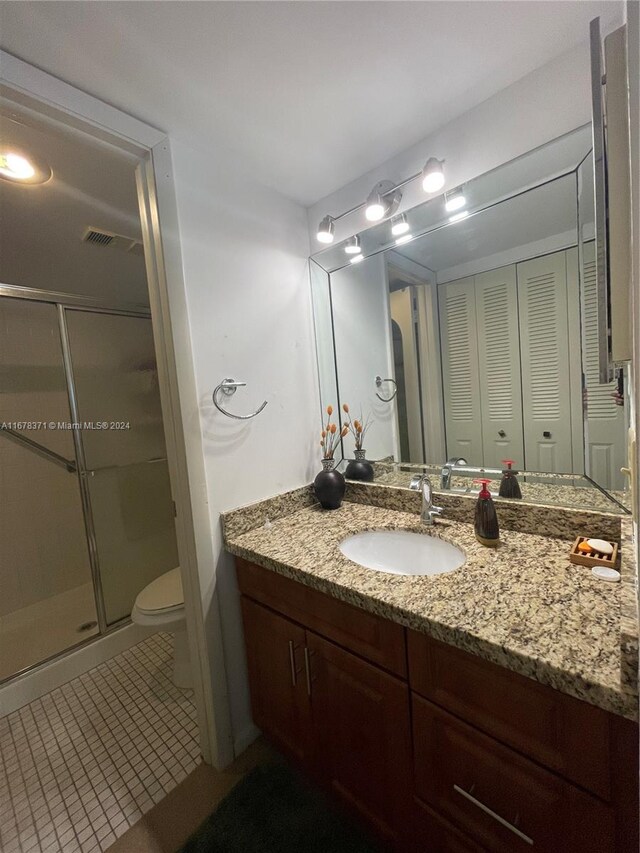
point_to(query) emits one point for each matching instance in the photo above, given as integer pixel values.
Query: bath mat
(274, 810)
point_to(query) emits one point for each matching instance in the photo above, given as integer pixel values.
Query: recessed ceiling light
(454, 200)
(399, 225)
(458, 216)
(325, 230)
(404, 239)
(352, 246)
(356, 259)
(16, 167)
(433, 175)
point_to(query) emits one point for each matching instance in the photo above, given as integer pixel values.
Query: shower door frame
(35, 89)
(70, 302)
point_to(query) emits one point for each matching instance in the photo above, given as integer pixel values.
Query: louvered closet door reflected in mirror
(481, 368)
(499, 360)
(606, 421)
(459, 347)
(544, 347)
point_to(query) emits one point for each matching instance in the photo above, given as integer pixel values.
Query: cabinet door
(606, 434)
(499, 360)
(459, 343)
(362, 724)
(544, 347)
(279, 698)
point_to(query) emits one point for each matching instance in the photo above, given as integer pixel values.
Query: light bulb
(399, 225)
(374, 211)
(433, 175)
(325, 230)
(15, 166)
(356, 259)
(352, 246)
(455, 200)
(458, 216)
(404, 239)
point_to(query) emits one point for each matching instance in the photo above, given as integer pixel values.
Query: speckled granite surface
(245, 518)
(629, 604)
(522, 606)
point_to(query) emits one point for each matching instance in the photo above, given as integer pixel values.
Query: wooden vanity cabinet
(279, 699)
(436, 749)
(343, 718)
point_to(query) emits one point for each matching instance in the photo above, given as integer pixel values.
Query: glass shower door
(47, 602)
(124, 457)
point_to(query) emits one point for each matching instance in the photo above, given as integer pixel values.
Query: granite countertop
(523, 605)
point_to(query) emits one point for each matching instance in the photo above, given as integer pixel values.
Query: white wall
(244, 251)
(550, 101)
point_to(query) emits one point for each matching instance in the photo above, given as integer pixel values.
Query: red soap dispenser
(486, 518)
(509, 485)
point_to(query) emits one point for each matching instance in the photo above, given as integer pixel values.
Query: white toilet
(160, 605)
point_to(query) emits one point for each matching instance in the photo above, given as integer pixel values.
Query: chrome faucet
(445, 474)
(429, 512)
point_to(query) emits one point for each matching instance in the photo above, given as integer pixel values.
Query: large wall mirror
(472, 338)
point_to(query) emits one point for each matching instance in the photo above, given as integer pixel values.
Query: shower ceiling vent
(100, 237)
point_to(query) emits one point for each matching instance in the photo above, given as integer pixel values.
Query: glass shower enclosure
(86, 516)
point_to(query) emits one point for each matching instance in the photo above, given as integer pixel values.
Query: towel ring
(379, 381)
(228, 387)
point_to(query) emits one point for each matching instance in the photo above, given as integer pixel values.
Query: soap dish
(583, 558)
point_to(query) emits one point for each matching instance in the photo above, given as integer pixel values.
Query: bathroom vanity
(485, 709)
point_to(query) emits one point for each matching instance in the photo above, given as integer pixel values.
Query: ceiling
(42, 226)
(309, 95)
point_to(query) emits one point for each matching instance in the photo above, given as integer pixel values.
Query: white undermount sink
(402, 552)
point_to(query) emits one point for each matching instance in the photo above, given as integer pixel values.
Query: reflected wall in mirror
(474, 337)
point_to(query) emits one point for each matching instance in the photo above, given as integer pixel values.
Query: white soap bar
(605, 574)
(600, 546)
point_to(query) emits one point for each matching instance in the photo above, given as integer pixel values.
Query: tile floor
(80, 765)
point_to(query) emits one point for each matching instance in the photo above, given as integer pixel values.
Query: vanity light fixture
(357, 258)
(462, 214)
(399, 225)
(326, 230)
(352, 246)
(405, 238)
(454, 199)
(433, 175)
(382, 201)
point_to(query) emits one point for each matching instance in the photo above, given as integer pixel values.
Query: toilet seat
(162, 596)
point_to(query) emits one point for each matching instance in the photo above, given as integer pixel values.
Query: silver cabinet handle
(492, 814)
(292, 663)
(307, 669)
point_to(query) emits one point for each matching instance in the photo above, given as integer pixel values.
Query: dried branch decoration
(358, 427)
(330, 436)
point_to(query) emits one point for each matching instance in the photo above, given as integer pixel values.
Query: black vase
(359, 468)
(329, 486)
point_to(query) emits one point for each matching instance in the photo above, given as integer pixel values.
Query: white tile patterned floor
(80, 765)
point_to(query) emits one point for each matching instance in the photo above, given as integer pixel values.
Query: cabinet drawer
(433, 834)
(378, 640)
(540, 722)
(502, 800)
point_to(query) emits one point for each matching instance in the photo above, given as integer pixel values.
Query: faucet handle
(436, 510)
